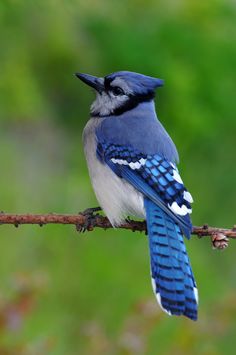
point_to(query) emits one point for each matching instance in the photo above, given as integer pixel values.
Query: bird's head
(119, 92)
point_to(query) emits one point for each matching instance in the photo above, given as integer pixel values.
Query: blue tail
(172, 278)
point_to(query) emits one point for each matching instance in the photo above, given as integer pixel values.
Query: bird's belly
(117, 197)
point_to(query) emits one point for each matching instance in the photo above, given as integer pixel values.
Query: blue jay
(132, 166)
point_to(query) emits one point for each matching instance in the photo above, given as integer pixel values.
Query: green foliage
(62, 293)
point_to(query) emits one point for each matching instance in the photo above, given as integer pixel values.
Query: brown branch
(83, 221)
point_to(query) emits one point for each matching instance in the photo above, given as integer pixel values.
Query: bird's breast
(117, 197)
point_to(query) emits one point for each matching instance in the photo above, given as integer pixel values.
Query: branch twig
(82, 220)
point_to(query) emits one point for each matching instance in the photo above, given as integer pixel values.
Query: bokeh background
(65, 293)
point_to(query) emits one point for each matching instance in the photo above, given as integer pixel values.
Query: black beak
(93, 81)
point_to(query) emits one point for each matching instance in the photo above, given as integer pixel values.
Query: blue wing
(167, 205)
(154, 177)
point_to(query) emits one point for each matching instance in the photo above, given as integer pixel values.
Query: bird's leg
(90, 219)
(146, 230)
(91, 210)
(133, 226)
(128, 219)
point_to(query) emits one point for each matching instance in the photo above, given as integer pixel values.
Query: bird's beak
(93, 81)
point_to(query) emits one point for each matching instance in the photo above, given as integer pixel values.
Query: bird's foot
(137, 225)
(128, 219)
(90, 220)
(146, 230)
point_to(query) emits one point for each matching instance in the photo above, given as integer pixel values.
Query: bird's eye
(117, 91)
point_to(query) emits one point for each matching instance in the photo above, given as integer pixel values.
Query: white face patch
(121, 83)
(106, 103)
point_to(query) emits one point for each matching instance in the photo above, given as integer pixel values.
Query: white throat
(106, 103)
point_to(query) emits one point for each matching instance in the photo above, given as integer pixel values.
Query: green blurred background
(65, 293)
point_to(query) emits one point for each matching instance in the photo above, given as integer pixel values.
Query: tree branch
(87, 221)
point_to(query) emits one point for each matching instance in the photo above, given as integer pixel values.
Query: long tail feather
(172, 278)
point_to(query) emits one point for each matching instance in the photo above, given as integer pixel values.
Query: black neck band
(130, 104)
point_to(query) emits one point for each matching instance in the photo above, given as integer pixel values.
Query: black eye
(117, 91)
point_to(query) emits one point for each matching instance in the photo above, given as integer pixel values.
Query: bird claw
(90, 221)
(90, 211)
(128, 219)
(134, 227)
(219, 241)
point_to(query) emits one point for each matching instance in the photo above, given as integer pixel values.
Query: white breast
(117, 197)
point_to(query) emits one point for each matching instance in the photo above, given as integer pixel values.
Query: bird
(132, 163)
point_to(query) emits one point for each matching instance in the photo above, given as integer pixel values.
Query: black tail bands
(172, 277)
